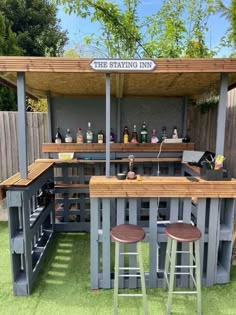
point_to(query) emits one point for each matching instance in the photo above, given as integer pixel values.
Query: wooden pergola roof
(75, 77)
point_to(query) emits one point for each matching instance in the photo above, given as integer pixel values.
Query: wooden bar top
(123, 160)
(34, 171)
(157, 186)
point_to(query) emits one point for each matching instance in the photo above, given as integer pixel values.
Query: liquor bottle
(134, 138)
(143, 133)
(100, 136)
(80, 136)
(58, 137)
(126, 135)
(163, 134)
(68, 137)
(175, 133)
(89, 134)
(154, 138)
(112, 136)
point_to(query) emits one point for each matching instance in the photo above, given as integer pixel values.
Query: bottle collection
(142, 136)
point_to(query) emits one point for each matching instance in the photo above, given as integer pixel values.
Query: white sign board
(122, 65)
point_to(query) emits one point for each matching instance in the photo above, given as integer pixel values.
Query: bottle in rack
(80, 136)
(144, 134)
(100, 136)
(68, 138)
(89, 134)
(154, 138)
(58, 137)
(112, 136)
(175, 133)
(126, 135)
(163, 134)
(134, 138)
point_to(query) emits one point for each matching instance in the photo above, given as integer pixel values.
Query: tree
(36, 26)
(167, 33)
(229, 40)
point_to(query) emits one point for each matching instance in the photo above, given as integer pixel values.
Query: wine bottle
(134, 138)
(100, 136)
(79, 136)
(89, 134)
(68, 137)
(126, 135)
(58, 137)
(143, 134)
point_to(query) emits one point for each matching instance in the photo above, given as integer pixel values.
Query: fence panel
(37, 133)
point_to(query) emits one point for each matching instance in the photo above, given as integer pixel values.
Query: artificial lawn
(64, 287)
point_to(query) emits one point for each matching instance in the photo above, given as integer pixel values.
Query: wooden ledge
(116, 147)
(34, 171)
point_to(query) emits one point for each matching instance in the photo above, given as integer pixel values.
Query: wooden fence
(201, 128)
(37, 133)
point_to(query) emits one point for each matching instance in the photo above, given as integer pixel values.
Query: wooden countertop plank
(125, 160)
(101, 186)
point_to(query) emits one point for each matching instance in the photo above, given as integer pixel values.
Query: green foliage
(71, 53)
(36, 106)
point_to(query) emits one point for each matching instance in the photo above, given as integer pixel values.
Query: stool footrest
(129, 268)
(184, 292)
(129, 253)
(128, 275)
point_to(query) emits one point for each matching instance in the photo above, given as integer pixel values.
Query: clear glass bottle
(144, 134)
(163, 134)
(154, 138)
(175, 133)
(89, 134)
(58, 137)
(126, 135)
(79, 136)
(68, 138)
(134, 138)
(100, 136)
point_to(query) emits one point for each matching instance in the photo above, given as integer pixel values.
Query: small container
(121, 176)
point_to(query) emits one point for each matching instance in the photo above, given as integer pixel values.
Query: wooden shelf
(116, 147)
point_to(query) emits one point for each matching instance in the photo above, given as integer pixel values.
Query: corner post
(108, 123)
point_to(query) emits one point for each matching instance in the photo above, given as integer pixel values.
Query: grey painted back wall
(73, 113)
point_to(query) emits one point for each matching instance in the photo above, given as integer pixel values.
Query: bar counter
(116, 202)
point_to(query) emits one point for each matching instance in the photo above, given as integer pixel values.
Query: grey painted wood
(106, 244)
(153, 243)
(50, 137)
(94, 256)
(221, 117)
(201, 223)
(108, 124)
(22, 141)
(213, 241)
(132, 247)
(120, 215)
(174, 209)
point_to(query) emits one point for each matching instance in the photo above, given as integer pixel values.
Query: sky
(78, 28)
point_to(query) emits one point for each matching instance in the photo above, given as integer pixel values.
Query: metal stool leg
(191, 264)
(198, 277)
(143, 286)
(116, 284)
(172, 274)
(167, 263)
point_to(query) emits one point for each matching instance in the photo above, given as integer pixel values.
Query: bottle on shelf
(89, 134)
(154, 138)
(175, 133)
(134, 137)
(100, 136)
(112, 136)
(68, 138)
(144, 134)
(126, 135)
(79, 136)
(58, 137)
(163, 134)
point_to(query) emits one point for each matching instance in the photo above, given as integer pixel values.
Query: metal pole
(108, 123)
(22, 136)
(49, 117)
(220, 132)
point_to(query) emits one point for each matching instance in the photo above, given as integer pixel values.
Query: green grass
(63, 287)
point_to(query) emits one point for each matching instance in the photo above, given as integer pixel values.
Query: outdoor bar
(83, 192)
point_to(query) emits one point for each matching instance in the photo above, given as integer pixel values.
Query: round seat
(183, 232)
(127, 233)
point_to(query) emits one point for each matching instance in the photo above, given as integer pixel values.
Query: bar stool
(182, 232)
(128, 234)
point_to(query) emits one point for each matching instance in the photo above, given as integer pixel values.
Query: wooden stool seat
(183, 232)
(127, 233)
